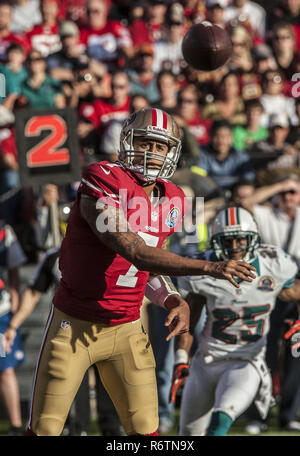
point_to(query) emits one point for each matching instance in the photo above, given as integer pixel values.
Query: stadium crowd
(240, 128)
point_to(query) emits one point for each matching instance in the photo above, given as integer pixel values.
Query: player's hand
(8, 339)
(294, 327)
(227, 270)
(180, 372)
(178, 319)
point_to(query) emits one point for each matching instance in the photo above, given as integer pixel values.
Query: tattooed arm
(119, 237)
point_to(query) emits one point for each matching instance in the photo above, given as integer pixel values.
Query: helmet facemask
(253, 241)
(128, 154)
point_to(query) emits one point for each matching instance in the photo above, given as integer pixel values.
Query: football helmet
(154, 124)
(234, 222)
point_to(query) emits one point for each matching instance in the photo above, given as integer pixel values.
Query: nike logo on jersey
(104, 170)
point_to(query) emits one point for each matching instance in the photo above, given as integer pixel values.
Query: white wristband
(159, 289)
(181, 356)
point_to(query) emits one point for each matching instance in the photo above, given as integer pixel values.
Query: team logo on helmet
(266, 283)
(172, 217)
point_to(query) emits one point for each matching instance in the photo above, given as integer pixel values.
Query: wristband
(181, 357)
(159, 289)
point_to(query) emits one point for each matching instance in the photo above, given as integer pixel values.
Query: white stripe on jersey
(99, 189)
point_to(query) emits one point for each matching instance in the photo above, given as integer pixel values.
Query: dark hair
(227, 75)
(241, 183)
(282, 25)
(254, 103)
(220, 124)
(264, 76)
(15, 47)
(6, 3)
(189, 87)
(163, 73)
(134, 97)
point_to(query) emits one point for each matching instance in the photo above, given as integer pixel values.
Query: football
(206, 46)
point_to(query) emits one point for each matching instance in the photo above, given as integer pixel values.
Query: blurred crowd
(106, 59)
(240, 124)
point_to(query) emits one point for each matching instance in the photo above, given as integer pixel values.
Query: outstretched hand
(227, 270)
(178, 319)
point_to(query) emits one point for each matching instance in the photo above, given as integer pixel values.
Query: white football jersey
(237, 320)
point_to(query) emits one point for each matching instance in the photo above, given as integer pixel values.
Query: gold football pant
(124, 358)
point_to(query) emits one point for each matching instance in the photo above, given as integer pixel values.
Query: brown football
(206, 46)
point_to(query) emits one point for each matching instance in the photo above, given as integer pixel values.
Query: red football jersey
(105, 44)
(100, 112)
(98, 284)
(7, 40)
(45, 39)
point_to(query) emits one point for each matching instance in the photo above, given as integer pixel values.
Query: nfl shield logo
(172, 217)
(65, 324)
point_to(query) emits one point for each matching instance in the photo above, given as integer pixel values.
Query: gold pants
(124, 358)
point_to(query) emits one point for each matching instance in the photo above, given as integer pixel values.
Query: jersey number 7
(129, 279)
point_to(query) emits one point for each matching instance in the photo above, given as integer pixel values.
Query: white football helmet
(234, 222)
(155, 124)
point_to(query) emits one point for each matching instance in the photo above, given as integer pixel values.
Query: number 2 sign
(47, 146)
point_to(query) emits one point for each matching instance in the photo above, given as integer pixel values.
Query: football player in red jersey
(118, 226)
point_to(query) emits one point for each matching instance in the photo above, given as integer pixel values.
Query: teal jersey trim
(289, 283)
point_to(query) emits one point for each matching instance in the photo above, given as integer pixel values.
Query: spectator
(284, 50)
(274, 152)
(40, 90)
(241, 59)
(273, 100)
(101, 112)
(215, 11)
(12, 257)
(286, 11)
(190, 115)
(245, 136)
(45, 37)
(73, 10)
(26, 14)
(44, 234)
(91, 80)
(138, 102)
(244, 11)
(148, 29)
(221, 161)
(14, 71)
(294, 134)
(263, 59)
(142, 78)
(103, 39)
(7, 37)
(110, 142)
(168, 87)
(61, 64)
(167, 51)
(229, 104)
(241, 191)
